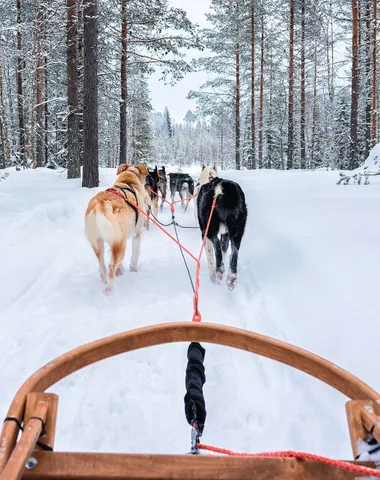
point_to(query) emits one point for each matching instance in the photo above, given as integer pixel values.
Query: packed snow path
(308, 275)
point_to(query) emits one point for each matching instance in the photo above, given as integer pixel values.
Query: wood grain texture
(371, 421)
(32, 401)
(83, 466)
(30, 435)
(355, 424)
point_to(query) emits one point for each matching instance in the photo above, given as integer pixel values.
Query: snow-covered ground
(309, 269)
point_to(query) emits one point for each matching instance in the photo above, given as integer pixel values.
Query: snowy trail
(134, 402)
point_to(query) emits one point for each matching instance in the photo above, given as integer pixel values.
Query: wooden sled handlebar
(93, 352)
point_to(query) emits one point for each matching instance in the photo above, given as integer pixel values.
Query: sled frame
(31, 402)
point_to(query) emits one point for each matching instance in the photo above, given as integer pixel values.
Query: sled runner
(32, 457)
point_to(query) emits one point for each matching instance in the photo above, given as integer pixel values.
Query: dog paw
(231, 281)
(120, 270)
(220, 274)
(133, 268)
(107, 290)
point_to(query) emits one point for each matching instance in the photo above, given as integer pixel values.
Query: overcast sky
(175, 97)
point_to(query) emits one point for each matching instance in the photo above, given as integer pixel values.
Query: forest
(291, 84)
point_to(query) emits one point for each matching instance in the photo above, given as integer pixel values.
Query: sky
(175, 97)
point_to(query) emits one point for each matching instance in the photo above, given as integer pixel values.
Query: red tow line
(197, 317)
(351, 467)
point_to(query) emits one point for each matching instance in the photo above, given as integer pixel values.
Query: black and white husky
(227, 222)
(184, 185)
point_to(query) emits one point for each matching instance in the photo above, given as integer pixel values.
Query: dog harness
(129, 188)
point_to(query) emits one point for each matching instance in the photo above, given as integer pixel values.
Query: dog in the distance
(227, 224)
(151, 187)
(162, 184)
(155, 183)
(112, 217)
(184, 185)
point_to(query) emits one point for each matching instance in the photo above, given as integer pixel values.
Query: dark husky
(183, 184)
(162, 179)
(151, 186)
(227, 222)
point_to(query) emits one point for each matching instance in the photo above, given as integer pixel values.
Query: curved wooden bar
(93, 352)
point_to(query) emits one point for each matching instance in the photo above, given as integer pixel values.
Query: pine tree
(39, 85)
(142, 138)
(231, 25)
(123, 80)
(291, 87)
(20, 95)
(355, 86)
(73, 155)
(90, 90)
(168, 123)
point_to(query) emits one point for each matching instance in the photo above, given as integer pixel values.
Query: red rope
(197, 317)
(352, 467)
(172, 208)
(167, 233)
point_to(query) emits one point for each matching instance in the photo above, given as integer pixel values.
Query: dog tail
(108, 227)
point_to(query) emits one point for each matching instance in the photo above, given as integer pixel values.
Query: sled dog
(112, 217)
(227, 222)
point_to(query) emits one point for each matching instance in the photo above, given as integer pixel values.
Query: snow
(373, 160)
(308, 275)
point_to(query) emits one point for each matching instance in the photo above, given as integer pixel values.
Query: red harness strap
(118, 192)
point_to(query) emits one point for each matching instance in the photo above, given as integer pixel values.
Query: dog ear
(163, 169)
(142, 169)
(214, 166)
(122, 168)
(203, 166)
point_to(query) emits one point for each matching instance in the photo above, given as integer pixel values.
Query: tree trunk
(20, 99)
(237, 109)
(73, 157)
(46, 99)
(291, 89)
(123, 79)
(368, 77)
(368, 89)
(314, 120)
(80, 62)
(355, 85)
(13, 116)
(303, 92)
(330, 83)
(253, 134)
(3, 115)
(90, 100)
(261, 137)
(46, 113)
(39, 88)
(270, 113)
(221, 147)
(374, 78)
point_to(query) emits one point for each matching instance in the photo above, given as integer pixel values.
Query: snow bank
(373, 161)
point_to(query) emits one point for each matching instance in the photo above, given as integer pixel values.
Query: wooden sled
(37, 411)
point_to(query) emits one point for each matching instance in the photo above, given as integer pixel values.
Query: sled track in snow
(36, 291)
